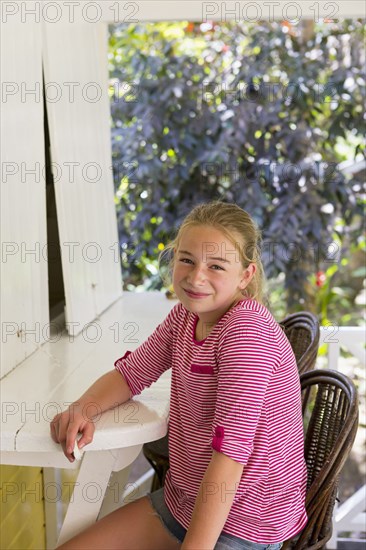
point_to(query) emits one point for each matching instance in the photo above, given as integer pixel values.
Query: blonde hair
(233, 222)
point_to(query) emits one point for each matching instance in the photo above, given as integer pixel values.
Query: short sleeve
(146, 364)
(247, 357)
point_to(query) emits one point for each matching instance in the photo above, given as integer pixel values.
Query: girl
(237, 477)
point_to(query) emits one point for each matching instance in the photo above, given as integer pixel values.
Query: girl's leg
(134, 526)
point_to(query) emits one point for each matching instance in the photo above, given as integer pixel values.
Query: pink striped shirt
(238, 392)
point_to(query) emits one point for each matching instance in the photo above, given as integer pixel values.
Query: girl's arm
(213, 503)
(107, 392)
(133, 372)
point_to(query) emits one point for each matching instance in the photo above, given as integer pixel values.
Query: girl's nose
(196, 276)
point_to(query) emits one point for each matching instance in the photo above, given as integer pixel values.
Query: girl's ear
(248, 275)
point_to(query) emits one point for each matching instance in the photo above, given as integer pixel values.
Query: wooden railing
(350, 516)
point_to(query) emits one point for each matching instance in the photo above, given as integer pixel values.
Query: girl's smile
(195, 295)
(208, 275)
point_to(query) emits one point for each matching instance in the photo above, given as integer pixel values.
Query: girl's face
(208, 276)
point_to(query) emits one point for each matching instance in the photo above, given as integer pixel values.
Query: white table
(57, 373)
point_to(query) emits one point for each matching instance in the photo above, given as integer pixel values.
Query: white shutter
(76, 80)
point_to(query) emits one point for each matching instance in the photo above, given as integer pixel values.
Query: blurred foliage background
(268, 115)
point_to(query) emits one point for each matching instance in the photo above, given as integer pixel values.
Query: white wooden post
(349, 516)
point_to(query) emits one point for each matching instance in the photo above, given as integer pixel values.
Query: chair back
(302, 331)
(330, 415)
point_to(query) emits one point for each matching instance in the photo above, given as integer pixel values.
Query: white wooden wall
(76, 78)
(24, 289)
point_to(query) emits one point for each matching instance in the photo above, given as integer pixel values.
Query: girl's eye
(185, 260)
(217, 267)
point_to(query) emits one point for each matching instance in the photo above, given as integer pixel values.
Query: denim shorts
(225, 540)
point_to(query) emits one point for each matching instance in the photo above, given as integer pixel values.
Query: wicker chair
(157, 454)
(302, 331)
(330, 413)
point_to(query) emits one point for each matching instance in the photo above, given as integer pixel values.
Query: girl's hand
(65, 427)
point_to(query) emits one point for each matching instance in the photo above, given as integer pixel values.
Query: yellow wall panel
(22, 508)
(27, 538)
